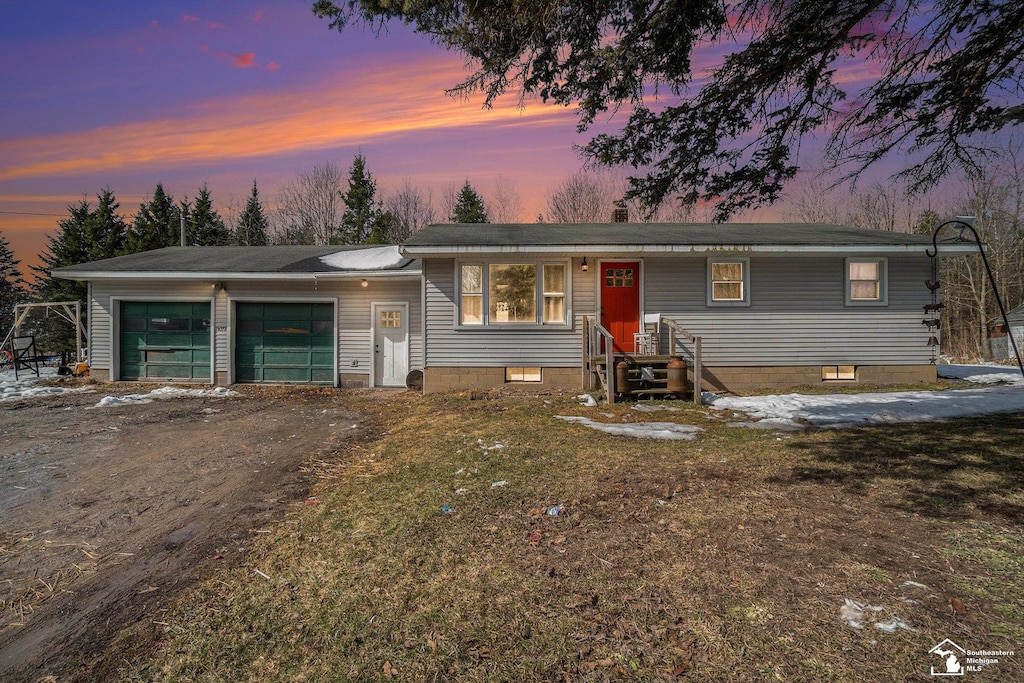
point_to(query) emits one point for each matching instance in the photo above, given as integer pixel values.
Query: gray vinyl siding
(450, 347)
(797, 313)
(353, 305)
(102, 310)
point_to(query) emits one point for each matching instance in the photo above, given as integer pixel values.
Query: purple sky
(126, 94)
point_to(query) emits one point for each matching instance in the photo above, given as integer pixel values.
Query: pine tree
(106, 233)
(251, 230)
(12, 286)
(469, 206)
(205, 227)
(67, 248)
(157, 224)
(363, 218)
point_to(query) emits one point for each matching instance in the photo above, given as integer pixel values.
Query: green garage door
(284, 343)
(163, 340)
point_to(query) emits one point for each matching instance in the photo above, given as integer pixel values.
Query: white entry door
(390, 344)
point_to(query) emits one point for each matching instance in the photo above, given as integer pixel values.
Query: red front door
(620, 302)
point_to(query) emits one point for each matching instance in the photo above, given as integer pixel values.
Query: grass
(724, 558)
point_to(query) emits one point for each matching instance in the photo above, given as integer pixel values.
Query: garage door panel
(165, 340)
(275, 342)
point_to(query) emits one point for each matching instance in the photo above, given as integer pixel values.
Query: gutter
(682, 249)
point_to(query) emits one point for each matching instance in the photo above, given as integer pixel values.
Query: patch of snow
(857, 614)
(26, 386)
(372, 258)
(496, 446)
(645, 408)
(840, 411)
(163, 393)
(981, 374)
(913, 584)
(893, 625)
(644, 430)
(587, 400)
(499, 484)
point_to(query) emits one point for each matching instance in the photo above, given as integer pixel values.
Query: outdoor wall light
(364, 283)
(583, 266)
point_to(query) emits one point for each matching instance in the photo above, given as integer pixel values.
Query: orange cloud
(377, 103)
(243, 61)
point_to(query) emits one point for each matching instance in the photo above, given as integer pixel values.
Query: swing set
(20, 350)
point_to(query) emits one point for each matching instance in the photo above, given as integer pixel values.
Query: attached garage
(284, 342)
(161, 340)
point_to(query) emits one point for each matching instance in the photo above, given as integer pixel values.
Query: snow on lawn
(647, 430)
(982, 374)
(26, 386)
(839, 411)
(372, 258)
(162, 393)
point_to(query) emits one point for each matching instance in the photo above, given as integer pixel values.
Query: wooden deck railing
(593, 332)
(674, 334)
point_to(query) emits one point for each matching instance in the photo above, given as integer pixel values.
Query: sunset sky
(124, 95)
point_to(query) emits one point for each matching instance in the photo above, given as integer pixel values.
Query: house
(488, 305)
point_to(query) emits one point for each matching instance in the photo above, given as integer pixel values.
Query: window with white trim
(518, 293)
(866, 281)
(728, 282)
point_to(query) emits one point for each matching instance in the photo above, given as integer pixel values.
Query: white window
(472, 283)
(728, 282)
(513, 294)
(833, 373)
(866, 281)
(522, 374)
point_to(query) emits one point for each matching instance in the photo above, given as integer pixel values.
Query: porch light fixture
(364, 283)
(583, 266)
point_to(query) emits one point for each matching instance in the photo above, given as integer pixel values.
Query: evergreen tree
(87, 234)
(469, 206)
(157, 224)
(69, 247)
(12, 286)
(205, 227)
(251, 230)
(383, 229)
(106, 233)
(363, 219)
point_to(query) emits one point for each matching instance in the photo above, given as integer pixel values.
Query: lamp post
(965, 223)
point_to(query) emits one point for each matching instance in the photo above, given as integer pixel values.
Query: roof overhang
(440, 251)
(72, 274)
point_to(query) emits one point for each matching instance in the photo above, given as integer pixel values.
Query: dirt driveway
(107, 512)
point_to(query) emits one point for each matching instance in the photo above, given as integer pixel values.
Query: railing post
(696, 370)
(609, 370)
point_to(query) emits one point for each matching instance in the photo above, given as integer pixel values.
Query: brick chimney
(620, 214)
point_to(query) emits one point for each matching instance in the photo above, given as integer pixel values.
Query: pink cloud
(258, 15)
(243, 61)
(192, 19)
(273, 66)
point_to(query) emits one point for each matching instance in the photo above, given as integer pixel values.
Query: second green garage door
(284, 342)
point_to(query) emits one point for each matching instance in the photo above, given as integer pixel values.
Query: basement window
(522, 374)
(838, 373)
